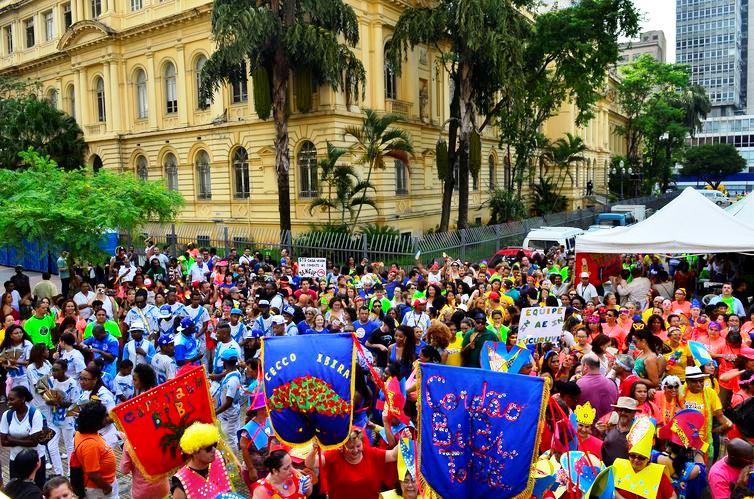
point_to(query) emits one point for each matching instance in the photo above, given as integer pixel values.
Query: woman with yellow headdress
(588, 443)
(637, 477)
(204, 474)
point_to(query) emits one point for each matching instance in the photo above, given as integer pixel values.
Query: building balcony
(400, 107)
(94, 130)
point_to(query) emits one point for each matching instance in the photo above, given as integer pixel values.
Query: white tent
(743, 209)
(688, 224)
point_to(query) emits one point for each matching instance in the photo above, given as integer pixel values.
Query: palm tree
(563, 153)
(695, 101)
(350, 191)
(379, 141)
(546, 198)
(275, 37)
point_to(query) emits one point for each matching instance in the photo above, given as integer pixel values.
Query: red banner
(154, 421)
(599, 265)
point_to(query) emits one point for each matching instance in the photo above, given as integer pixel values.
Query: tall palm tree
(563, 153)
(379, 140)
(274, 37)
(350, 191)
(695, 102)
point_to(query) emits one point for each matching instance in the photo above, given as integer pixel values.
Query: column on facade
(127, 96)
(61, 96)
(181, 86)
(108, 97)
(115, 118)
(81, 94)
(377, 66)
(151, 91)
(80, 9)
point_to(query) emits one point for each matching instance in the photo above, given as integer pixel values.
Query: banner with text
(312, 267)
(309, 384)
(479, 430)
(154, 421)
(601, 266)
(541, 324)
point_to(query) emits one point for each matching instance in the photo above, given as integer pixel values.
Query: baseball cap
(229, 354)
(186, 323)
(236, 311)
(278, 320)
(494, 296)
(165, 312)
(584, 274)
(289, 310)
(263, 303)
(136, 326)
(165, 339)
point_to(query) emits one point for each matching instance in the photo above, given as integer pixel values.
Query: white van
(716, 197)
(545, 238)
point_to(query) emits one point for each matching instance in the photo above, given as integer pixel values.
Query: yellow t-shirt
(676, 361)
(454, 351)
(700, 402)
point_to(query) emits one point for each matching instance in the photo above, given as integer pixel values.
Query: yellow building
(127, 70)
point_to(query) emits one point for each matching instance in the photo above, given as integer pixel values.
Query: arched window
(506, 171)
(171, 94)
(171, 171)
(96, 163)
(391, 83)
(200, 62)
(401, 177)
(307, 167)
(52, 97)
(239, 87)
(71, 93)
(241, 173)
(99, 85)
(142, 168)
(203, 178)
(141, 94)
(491, 166)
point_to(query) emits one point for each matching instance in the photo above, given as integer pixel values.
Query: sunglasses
(637, 457)
(210, 448)
(672, 387)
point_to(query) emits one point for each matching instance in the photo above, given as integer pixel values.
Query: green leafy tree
(275, 38)
(349, 189)
(479, 42)
(72, 209)
(545, 198)
(567, 56)
(378, 140)
(505, 206)
(562, 155)
(26, 121)
(712, 163)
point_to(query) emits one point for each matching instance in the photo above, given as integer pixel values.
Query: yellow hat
(198, 436)
(585, 414)
(641, 436)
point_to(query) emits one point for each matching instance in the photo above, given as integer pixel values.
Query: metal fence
(472, 244)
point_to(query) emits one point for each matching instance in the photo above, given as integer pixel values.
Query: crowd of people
(644, 353)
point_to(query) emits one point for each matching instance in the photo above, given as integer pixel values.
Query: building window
(8, 35)
(136, 5)
(391, 83)
(96, 163)
(493, 180)
(240, 86)
(141, 94)
(71, 93)
(142, 168)
(307, 167)
(171, 94)
(100, 89)
(241, 173)
(475, 182)
(49, 26)
(96, 8)
(200, 62)
(67, 15)
(171, 171)
(29, 27)
(401, 177)
(203, 178)
(52, 97)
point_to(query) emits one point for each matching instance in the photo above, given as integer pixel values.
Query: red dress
(343, 480)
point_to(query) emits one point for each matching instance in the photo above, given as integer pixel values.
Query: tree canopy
(73, 209)
(26, 121)
(712, 163)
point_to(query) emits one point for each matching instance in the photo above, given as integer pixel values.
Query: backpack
(47, 433)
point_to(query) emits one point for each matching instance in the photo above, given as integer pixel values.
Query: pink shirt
(141, 488)
(722, 479)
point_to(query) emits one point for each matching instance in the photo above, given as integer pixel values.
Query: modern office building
(712, 38)
(649, 42)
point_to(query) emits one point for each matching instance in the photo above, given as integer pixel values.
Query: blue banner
(479, 431)
(309, 385)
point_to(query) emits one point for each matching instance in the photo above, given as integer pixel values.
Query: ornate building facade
(127, 70)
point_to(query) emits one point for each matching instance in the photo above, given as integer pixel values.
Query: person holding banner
(204, 474)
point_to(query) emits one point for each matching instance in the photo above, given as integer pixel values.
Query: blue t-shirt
(108, 344)
(186, 347)
(364, 330)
